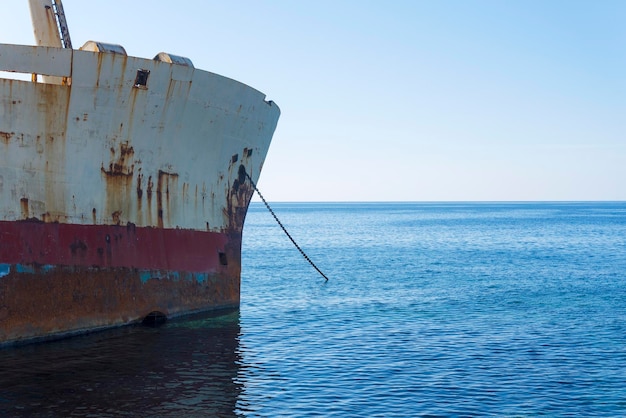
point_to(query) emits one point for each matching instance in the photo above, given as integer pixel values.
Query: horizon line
(442, 201)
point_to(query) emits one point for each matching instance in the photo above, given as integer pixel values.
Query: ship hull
(123, 189)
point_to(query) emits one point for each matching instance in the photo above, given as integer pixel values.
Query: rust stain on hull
(43, 303)
(122, 162)
(57, 278)
(5, 137)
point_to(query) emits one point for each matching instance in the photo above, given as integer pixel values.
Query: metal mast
(49, 23)
(62, 23)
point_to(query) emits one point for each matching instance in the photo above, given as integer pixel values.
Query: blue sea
(431, 309)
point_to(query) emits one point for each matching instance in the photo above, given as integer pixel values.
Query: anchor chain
(306, 257)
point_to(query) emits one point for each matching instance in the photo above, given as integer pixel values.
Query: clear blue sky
(404, 100)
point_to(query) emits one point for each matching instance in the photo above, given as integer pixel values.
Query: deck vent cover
(173, 59)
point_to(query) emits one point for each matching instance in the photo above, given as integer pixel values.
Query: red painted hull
(62, 278)
(36, 242)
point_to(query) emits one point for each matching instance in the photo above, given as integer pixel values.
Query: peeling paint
(121, 161)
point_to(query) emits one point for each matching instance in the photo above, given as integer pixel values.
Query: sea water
(431, 309)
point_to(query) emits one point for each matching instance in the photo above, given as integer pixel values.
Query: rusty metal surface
(121, 193)
(57, 278)
(36, 304)
(101, 145)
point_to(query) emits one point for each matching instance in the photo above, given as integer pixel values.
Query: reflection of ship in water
(184, 368)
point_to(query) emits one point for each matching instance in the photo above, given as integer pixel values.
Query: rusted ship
(123, 183)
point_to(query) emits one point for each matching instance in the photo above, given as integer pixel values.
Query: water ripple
(437, 310)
